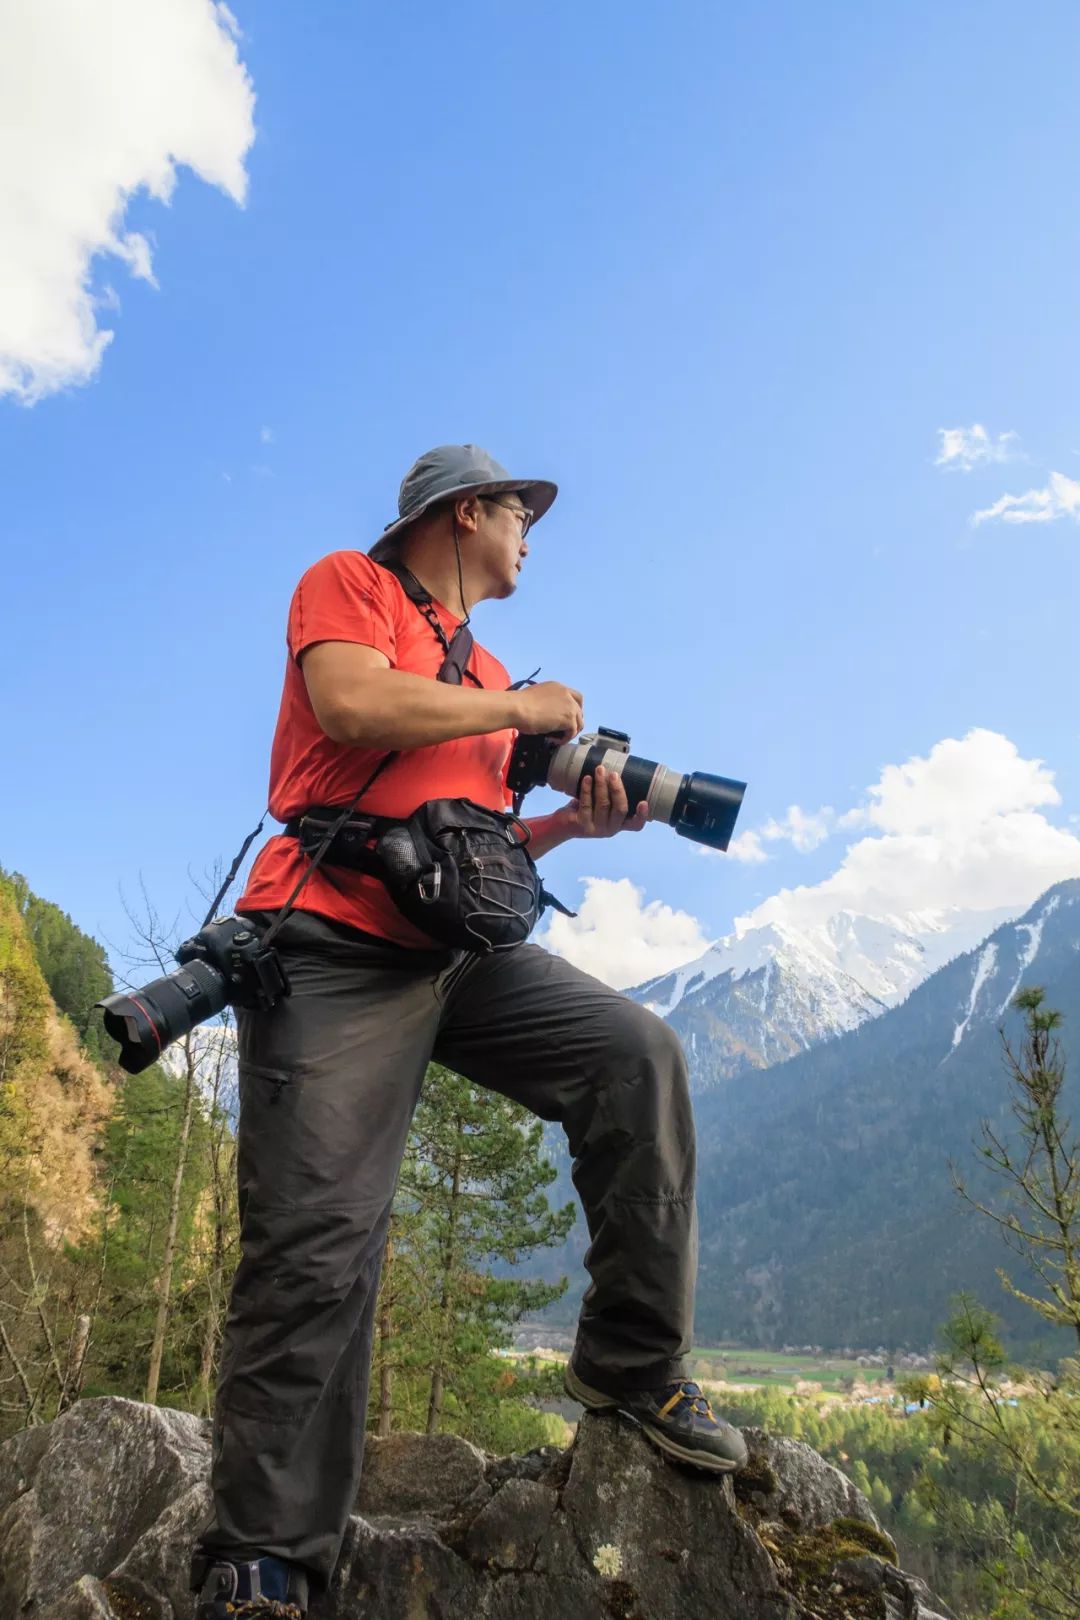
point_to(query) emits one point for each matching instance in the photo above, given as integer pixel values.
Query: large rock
(76, 1495)
(99, 1511)
(801, 1486)
(418, 1473)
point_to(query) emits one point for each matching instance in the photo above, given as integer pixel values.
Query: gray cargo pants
(328, 1083)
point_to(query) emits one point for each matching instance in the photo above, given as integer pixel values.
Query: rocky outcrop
(98, 1512)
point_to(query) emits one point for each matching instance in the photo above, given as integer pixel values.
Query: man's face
(500, 544)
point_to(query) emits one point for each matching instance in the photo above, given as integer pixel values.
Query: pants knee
(648, 1059)
(645, 1041)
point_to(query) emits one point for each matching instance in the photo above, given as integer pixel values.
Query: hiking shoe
(677, 1418)
(247, 1589)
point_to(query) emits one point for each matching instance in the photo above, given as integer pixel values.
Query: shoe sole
(594, 1401)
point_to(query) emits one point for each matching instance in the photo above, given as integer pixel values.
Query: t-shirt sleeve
(343, 597)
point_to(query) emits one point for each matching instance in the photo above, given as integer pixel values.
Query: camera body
(698, 806)
(224, 964)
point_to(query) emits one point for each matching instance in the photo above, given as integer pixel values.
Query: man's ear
(467, 513)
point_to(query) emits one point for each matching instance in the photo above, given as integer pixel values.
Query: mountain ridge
(761, 995)
(825, 1190)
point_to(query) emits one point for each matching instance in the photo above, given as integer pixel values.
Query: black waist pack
(458, 871)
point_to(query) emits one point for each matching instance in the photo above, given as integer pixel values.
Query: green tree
(472, 1197)
(1029, 1547)
(142, 1149)
(1040, 1211)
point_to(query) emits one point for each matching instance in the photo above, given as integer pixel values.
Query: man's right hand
(550, 709)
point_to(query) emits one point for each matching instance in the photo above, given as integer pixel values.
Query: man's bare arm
(359, 700)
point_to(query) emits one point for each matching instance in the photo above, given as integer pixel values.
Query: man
(330, 1077)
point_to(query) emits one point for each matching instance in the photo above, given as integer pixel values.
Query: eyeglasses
(523, 512)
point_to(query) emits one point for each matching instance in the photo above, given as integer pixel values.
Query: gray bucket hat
(456, 469)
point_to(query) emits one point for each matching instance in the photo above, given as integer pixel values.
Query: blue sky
(723, 272)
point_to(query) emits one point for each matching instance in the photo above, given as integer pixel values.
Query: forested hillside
(118, 1219)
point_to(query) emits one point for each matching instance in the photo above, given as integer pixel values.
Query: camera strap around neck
(458, 648)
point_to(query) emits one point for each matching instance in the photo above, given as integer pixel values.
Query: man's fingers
(617, 789)
(602, 793)
(603, 808)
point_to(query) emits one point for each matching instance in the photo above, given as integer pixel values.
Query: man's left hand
(601, 810)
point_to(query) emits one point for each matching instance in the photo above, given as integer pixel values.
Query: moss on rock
(805, 1558)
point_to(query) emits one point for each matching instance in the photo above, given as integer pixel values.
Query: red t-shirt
(347, 597)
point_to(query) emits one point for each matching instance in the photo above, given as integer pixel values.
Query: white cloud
(99, 102)
(962, 827)
(745, 847)
(266, 435)
(963, 448)
(621, 940)
(805, 830)
(1059, 498)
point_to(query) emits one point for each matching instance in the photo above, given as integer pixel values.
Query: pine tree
(1030, 1546)
(472, 1187)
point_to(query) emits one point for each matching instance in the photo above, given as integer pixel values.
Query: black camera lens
(707, 808)
(146, 1022)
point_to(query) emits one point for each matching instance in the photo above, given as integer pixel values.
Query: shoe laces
(699, 1401)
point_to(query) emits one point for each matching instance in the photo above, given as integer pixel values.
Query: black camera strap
(238, 861)
(458, 648)
(328, 838)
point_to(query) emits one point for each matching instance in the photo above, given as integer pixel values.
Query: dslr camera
(225, 963)
(698, 806)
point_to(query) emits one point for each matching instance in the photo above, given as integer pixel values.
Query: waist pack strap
(352, 844)
(371, 826)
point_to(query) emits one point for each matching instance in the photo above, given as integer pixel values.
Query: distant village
(905, 1360)
(752, 1369)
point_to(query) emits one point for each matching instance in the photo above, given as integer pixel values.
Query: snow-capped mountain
(762, 994)
(826, 1186)
(997, 972)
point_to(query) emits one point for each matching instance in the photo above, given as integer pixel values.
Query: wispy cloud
(963, 448)
(802, 829)
(745, 847)
(266, 434)
(1060, 497)
(102, 103)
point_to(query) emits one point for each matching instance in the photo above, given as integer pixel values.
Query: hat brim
(537, 494)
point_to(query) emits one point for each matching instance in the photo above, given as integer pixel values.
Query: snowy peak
(989, 978)
(765, 993)
(883, 958)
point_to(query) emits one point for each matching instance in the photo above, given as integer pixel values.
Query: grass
(751, 1366)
